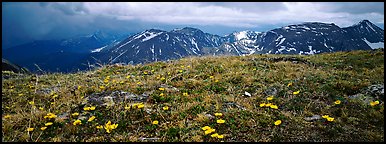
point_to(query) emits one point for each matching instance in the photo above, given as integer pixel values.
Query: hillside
(178, 101)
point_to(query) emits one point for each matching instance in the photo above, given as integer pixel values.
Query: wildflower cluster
(50, 116)
(269, 104)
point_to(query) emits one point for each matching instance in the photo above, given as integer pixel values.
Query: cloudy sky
(24, 22)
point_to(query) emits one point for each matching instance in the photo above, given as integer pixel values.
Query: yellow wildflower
(30, 129)
(86, 108)
(180, 71)
(205, 128)
(139, 83)
(169, 73)
(161, 89)
(77, 122)
(41, 108)
(274, 106)
(325, 116)
(262, 104)
(102, 87)
(31, 102)
(20, 94)
(140, 106)
(7, 116)
(106, 81)
(278, 122)
(109, 126)
(127, 107)
(75, 114)
(215, 80)
(218, 114)
(220, 121)
(374, 103)
(155, 122)
(270, 98)
(92, 108)
(337, 102)
(50, 115)
(128, 77)
(99, 127)
(211, 77)
(79, 87)
(91, 118)
(161, 94)
(268, 104)
(43, 128)
(185, 94)
(214, 135)
(162, 78)
(48, 124)
(165, 108)
(208, 131)
(220, 136)
(52, 103)
(254, 69)
(289, 84)
(330, 119)
(297, 92)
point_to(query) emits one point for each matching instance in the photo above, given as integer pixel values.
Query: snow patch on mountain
(98, 49)
(375, 45)
(152, 35)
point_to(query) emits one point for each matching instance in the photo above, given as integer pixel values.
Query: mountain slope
(158, 45)
(178, 100)
(368, 32)
(58, 55)
(305, 38)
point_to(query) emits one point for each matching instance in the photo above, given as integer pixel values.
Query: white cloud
(226, 14)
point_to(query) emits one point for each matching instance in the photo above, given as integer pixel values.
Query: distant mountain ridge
(158, 45)
(59, 55)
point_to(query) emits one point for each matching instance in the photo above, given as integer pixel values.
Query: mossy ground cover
(186, 94)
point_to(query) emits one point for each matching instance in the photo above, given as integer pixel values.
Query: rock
(247, 94)
(271, 91)
(108, 98)
(209, 116)
(365, 99)
(313, 118)
(376, 90)
(232, 104)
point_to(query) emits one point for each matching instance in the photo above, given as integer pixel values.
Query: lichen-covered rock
(376, 91)
(313, 118)
(108, 98)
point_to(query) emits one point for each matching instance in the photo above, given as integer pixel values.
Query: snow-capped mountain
(307, 38)
(158, 45)
(367, 31)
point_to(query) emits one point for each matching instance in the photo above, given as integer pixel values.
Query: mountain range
(159, 45)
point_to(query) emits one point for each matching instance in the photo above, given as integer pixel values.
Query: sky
(24, 22)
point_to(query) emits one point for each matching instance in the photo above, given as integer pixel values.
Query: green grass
(212, 83)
